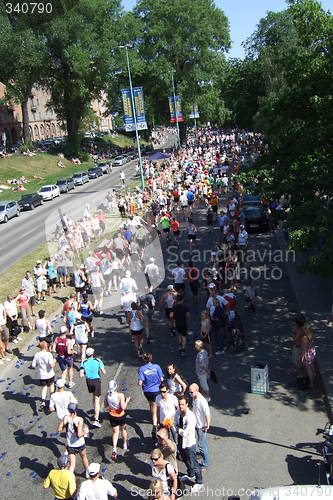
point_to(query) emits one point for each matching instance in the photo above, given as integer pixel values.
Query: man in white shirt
(185, 423)
(242, 241)
(167, 406)
(126, 301)
(179, 274)
(152, 273)
(12, 318)
(202, 414)
(60, 400)
(45, 362)
(96, 488)
(128, 284)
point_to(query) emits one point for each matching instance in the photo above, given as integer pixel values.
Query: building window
(40, 115)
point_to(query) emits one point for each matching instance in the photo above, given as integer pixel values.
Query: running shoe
(96, 423)
(125, 446)
(71, 384)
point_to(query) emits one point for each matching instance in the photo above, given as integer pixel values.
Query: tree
(80, 47)
(295, 115)
(22, 63)
(189, 37)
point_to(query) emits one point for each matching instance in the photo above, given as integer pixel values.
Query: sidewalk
(313, 295)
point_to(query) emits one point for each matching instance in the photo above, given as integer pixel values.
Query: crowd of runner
(122, 269)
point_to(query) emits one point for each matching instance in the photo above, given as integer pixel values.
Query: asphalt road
(254, 440)
(23, 234)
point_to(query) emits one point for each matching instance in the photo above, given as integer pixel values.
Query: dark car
(30, 201)
(95, 172)
(256, 219)
(65, 185)
(105, 167)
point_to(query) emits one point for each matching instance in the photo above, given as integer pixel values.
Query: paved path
(272, 443)
(20, 236)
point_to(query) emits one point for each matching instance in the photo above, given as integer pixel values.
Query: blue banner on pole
(195, 111)
(180, 117)
(128, 109)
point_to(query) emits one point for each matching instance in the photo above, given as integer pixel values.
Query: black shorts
(214, 208)
(192, 236)
(176, 199)
(182, 331)
(52, 281)
(115, 421)
(190, 203)
(151, 396)
(168, 311)
(87, 319)
(32, 300)
(46, 381)
(94, 386)
(80, 289)
(75, 450)
(136, 333)
(49, 339)
(166, 230)
(180, 287)
(119, 253)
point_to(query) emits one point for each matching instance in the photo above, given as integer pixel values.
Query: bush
(83, 157)
(24, 147)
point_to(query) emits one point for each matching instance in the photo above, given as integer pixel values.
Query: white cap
(211, 285)
(38, 261)
(60, 383)
(170, 287)
(63, 329)
(128, 274)
(112, 385)
(90, 351)
(93, 469)
(152, 259)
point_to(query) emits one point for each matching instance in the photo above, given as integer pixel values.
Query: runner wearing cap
(60, 400)
(92, 368)
(45, 363)
(116, 404)
(152, 274)
(96, 487)
(63, 346)
(75, 433)
(61, 480)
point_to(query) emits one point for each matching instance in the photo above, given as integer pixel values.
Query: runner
(135, 320)
(181, 315)
(149, 378)
(61, 480)
(44, 329)
(175, 381)
(96, 488)
(75, 437)
(92, 368)
(63, 346)
(45, 363)
(86, 309)
(169, 298)
(116, 404)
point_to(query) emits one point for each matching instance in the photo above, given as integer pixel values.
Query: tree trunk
(73, 120)
(25, 119)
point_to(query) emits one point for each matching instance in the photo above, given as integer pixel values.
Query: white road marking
(118, 370)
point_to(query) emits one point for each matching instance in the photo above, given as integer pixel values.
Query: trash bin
(259, 378)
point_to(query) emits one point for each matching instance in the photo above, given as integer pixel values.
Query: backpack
(181, 488)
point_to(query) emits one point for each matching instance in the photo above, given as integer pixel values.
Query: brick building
(43, 122)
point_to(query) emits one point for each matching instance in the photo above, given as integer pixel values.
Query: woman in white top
(81, 331)
(44, 329)
(135, 321)
(191, 232)
(174, 380)
(116, 404)
(75, 433)
(97, 282)
(165, 472)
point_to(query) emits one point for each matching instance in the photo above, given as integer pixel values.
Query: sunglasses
(163, 392)
(154, 459)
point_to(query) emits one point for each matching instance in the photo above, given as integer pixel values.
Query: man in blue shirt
(150, 376)
(92, 368)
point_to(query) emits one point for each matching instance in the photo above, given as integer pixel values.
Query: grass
(122, 141)
(43, 165)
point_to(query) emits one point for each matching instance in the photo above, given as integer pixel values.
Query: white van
(293, 492)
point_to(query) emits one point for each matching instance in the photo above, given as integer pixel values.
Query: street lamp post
(175, 107)
(134, 114)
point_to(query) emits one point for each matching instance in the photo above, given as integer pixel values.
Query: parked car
(251, 200)
(105, 167)
(8, 210)
(49, 192)
(119, 161)
(30, 201)
(65, 185)
(80, 178)
(256, 219)
(95, 172)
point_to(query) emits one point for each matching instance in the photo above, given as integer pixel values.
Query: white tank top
(41, 327)
(136, 323)
(173, 386)
(72, 440)
(170, 301)
(95, 280)
(113, 400)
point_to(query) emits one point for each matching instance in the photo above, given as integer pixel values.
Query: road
(22, 235)
(254, 440)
